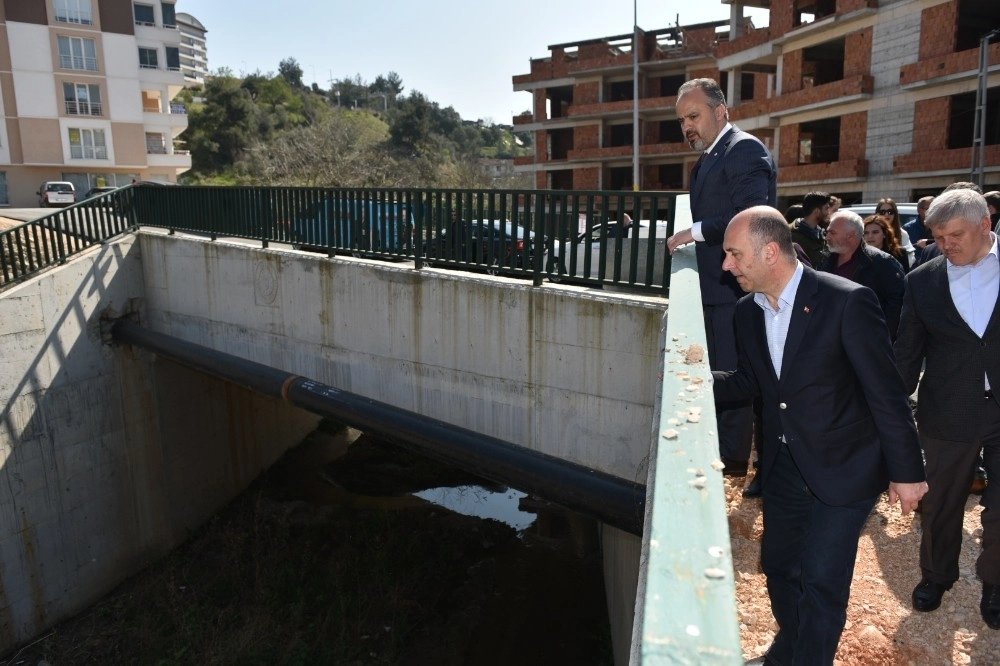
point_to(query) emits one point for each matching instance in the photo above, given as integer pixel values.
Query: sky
(459, 53)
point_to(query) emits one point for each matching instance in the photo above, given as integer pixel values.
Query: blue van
(356, 225)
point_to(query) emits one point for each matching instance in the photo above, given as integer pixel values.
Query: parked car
(56, 193)
(98, 191)
(907, 211)
(488, 242)
(359, 225)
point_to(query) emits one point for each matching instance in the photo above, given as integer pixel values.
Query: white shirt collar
(968, 267)
(721, 134)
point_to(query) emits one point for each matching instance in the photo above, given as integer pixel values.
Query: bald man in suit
(837, 425)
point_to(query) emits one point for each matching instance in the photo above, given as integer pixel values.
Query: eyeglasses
(885, 211)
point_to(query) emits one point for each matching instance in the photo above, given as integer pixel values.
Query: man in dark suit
(950, 325)
(852, 258)
(735, 171)
(837, 426)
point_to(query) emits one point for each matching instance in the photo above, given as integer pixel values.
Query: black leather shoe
(753, 488)
(927, 595)
(990, 606)
(733, 467)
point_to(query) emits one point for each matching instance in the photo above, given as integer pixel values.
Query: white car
(56, 193)
(582, 256)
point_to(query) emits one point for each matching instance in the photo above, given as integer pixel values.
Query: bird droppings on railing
(693, 630)
(669, 433)
(715, 573)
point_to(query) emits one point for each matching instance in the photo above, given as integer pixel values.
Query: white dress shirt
(776, 321)
(974, 290)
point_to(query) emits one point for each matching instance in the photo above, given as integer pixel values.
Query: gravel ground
(882, 629)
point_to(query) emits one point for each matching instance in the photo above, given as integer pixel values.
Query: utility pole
(979, 128)
(635, 96)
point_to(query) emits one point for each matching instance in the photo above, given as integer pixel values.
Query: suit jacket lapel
(715, 157)
(805, 303)
(761, 339)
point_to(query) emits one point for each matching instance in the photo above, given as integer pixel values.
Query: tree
(343, 149)
(220, 128)
(291, 72)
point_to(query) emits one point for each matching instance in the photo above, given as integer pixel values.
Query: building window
(143, 14)
(82, 99)
(87, 144)
(173, 59)
(819, 141)
(155, 145)
(147, 58)
(169, 15)
(4, 196)
(77, 53)
(74, 11)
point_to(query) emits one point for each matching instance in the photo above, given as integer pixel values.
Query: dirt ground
(882, 629)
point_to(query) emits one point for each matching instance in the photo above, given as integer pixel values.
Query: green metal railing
(571, 236)
(29, 248)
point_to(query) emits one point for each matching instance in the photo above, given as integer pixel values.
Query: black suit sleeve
(748, 171)
(870, 355)
(911, 341)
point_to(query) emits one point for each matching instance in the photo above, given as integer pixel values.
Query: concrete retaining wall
(109, 457)
(565, 370)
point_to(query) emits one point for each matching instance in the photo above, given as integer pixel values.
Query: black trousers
(734, 420)
(950, 466)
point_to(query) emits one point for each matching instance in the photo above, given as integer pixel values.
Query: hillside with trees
(272, 129)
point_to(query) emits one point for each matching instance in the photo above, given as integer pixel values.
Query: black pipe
(610, 499)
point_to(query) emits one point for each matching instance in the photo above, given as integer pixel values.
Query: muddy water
(533, 592)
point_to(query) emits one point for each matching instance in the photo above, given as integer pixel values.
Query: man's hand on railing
(678, 239)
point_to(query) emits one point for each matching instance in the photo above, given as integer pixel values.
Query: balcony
(964, 64)
(814, 97)
(81, 108)
(175, 160)
(947, 159)
(823, 172)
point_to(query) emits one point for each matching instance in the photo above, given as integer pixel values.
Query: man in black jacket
(852, 258)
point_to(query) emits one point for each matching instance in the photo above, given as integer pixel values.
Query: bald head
(759, 251)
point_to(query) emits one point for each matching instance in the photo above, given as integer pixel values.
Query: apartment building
(86, 89)
(862, 98)
(194, 49)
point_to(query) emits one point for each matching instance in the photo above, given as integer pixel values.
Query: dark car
(487, 242)
(360, 225)
(98, 191)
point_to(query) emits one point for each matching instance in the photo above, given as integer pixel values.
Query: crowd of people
(820, 326)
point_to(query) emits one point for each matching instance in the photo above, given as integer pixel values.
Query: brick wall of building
(934, 39)
(788, 150)
(587, 93)
(858, 53)
(587, 178)
(791, 75)
(930, 124)
(853, 135)
(587, 136)
(782, 16)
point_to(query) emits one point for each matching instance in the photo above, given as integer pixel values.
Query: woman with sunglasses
(887, 210)
(879, 233)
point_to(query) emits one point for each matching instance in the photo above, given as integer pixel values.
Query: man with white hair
(852, 258)
(950, 327)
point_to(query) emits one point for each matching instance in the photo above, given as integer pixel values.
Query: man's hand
(678, 239)
(922, 243)
(908, 494)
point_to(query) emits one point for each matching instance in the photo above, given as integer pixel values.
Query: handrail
(31, 247)
(558, 235)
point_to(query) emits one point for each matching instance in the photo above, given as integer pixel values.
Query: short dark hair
(993, 199)
(793, 213)
(767, 225)
(814, 200)
(708, 86)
